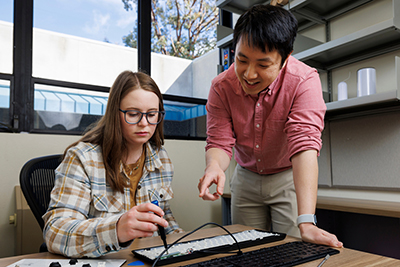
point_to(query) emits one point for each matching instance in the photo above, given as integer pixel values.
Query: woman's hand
(140, 221)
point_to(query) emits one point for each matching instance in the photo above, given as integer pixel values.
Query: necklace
(130, 168)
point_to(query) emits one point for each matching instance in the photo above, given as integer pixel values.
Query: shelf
(369, 104)
(307, 12)
(364, 104)
(380, 203)
(380, 38)
(301, 43)
(225, 41)
(375, 40)
(238, 6)
(372, 41)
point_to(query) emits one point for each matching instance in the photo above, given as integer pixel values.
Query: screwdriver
(161, 230)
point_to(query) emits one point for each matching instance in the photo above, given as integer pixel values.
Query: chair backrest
(37, 180)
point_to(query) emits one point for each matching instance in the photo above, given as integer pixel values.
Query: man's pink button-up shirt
(269, 128)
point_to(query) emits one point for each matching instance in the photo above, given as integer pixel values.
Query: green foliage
(181, 28)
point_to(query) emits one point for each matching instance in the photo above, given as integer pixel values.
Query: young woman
(107, 180)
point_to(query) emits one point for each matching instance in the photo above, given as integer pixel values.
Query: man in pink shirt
(269, 107)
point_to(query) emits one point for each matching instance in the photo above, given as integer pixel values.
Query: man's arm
(305, 176)
(217, 161)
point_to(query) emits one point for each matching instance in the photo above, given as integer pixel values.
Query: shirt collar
(277, 83)
(152, 160)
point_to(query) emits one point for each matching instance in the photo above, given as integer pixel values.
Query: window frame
(21, 115)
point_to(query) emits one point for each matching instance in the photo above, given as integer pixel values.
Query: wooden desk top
(346, 257)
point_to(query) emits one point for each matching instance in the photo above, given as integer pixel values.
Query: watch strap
(307, 218)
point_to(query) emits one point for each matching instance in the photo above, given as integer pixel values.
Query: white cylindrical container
(342, 91)
(366, 81)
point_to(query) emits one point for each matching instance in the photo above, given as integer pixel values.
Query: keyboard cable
(195, 230)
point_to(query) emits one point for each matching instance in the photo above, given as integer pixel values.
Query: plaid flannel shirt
(83, 212)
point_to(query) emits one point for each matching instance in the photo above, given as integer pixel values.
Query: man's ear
(284, 63)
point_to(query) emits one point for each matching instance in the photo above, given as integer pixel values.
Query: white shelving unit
(375, 40)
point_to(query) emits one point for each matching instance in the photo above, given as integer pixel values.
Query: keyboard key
(288, 254)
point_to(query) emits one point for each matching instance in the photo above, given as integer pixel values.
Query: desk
(346, 257)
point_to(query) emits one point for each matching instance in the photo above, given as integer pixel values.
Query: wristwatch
(307, 218)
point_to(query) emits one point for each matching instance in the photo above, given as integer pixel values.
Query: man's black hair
(267, 26)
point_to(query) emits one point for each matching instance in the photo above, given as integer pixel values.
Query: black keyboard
(288, 254)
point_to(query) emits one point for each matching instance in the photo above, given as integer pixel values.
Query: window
(72, 72)
(6, 62)
(184, 119)
(65, 109)
(6, 36)
(81, 41)
(4, 105)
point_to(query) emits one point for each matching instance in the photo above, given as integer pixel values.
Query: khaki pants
(264, 201)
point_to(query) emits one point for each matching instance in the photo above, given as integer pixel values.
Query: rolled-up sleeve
(306, 119)
(220, 132)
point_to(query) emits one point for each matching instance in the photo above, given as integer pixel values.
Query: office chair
(37, 180)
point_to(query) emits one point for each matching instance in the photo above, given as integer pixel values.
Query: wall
(16, 149)
(6, 33)
(201, 68)
(69, 58)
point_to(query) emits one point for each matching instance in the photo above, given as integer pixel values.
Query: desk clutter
(68, 263)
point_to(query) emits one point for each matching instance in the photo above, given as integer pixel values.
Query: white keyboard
(188, 250)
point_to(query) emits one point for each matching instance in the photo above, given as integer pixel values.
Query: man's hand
(212, 175)
(217, 161)
(313, 234)
(140, 221)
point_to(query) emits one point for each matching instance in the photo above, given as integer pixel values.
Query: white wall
(16, 149)
(189, 210)
(69, 58)
(6, 35)
(204, 70)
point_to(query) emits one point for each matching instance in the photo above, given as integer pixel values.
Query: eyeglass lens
(153, 117)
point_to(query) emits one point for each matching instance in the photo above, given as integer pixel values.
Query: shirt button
(258, 104)
(258, 125)
(257, 146)
(261, 170)
(259, 160)
(139, 186)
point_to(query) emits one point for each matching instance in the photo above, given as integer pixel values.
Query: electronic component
(203, 247)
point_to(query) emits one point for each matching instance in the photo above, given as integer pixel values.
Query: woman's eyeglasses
(134, 116)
